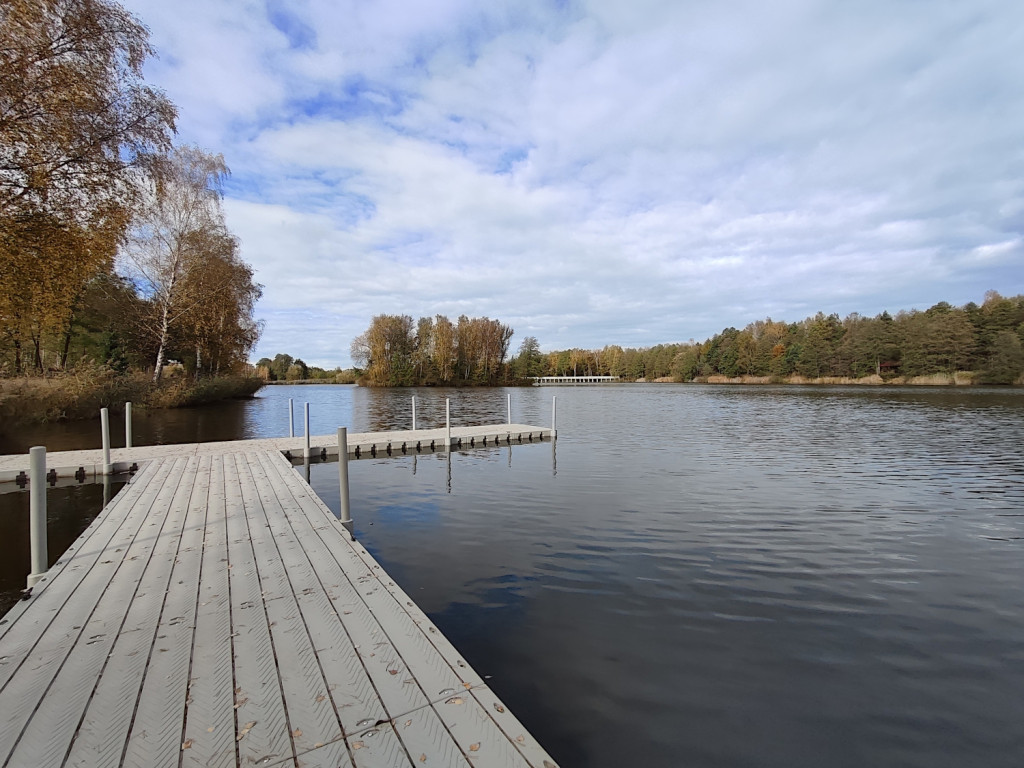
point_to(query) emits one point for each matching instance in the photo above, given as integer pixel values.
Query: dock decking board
(217, 614)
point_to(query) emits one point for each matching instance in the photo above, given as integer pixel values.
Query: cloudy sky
(615, 171)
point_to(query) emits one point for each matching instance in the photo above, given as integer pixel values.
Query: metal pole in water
(127, 425)
(448, 425)
(509, 396)
(37, 513)
(414, 413)
(291, 419)
(105, 429)
(346, 509)
(305, 451)
(554, 411)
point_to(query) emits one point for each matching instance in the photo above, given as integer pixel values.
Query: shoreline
(958, 379)
(71, 397)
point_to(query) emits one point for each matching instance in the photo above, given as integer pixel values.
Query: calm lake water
(704, 576)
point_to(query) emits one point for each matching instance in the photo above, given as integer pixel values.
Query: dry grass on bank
(80, 394)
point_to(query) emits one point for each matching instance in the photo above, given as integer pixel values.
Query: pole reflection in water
(448, 454)
(554, 459)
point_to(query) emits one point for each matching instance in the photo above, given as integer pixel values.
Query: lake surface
(705, 576)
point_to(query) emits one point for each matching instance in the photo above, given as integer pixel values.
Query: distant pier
(568, 381)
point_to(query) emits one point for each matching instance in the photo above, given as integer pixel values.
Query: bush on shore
(79, 394)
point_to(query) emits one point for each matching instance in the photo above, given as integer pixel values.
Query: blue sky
(604, 172)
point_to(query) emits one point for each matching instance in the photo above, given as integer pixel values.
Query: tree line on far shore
(114, 251)
(284, 367)
(987, 339)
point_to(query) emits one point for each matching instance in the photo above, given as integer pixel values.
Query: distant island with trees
(286, 369)
(973, 344)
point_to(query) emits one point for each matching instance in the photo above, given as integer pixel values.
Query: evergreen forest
(985, 339)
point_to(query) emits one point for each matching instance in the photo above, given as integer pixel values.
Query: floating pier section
(216, 613)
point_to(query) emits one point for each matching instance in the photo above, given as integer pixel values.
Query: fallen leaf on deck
(187, 743)
(474, 747)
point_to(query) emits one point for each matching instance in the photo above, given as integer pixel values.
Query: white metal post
(127, 425)
(37, 513)
(105, 429)
(414, 413)
(448, 424)
(291, 418)
(554, 412)
(305, 451)
(509, 396)
(346, 510)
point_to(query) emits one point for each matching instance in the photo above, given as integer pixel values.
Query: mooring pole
(291, 418)
(127, 425)
(509, 396)
(305, 451)
(414, 413)
(346, 509)
(448, 424)
(37, 513)
(554, 412)
(105, 429)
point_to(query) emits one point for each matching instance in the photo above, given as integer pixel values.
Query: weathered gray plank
(514, 731)
(477, 734)
(209, 735)
(311, 714)
(427, 740)
(155, 738)
(261, 723)
(350, 687)
(378, 747)
(394, 682)
(333, 755)
(439, 668)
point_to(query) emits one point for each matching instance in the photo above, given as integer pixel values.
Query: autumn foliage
(87, 167)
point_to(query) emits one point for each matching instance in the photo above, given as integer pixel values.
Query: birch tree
(170, 238)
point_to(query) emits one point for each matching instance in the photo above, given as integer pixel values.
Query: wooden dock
(87, 465)
(217, 614)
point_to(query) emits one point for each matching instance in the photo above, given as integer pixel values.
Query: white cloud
(600, 172)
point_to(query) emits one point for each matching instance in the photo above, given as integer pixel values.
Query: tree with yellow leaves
(77, 128)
